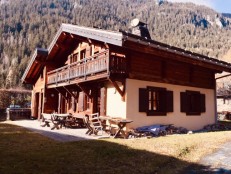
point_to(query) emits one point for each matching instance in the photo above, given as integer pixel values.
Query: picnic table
(78, 120)
(120, 122)
(59, 120)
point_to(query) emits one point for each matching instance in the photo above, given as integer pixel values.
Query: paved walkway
(219, 161)
(64, 134)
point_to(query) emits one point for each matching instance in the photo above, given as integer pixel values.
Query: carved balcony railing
(89, 66)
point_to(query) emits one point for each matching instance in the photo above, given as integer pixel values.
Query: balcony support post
(108, 61)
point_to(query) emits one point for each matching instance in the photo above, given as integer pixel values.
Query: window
(82, 54)
(155, 101)
(73, 58)
(192, 102)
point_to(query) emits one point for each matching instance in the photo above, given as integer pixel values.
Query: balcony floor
(95, 77)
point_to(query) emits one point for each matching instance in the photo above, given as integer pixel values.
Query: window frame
(193, 103)
(147, 101)
(155, 101)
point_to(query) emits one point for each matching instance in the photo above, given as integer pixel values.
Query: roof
(188, 56)
(64, 38)
(35, 64)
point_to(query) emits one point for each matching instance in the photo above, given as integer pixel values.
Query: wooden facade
(78, 71)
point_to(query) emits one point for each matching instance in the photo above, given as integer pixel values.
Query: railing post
(108, 61)
(85, 62)
(69, 73)
(56, 79)
(87, 66)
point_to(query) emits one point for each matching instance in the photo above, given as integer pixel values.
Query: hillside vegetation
(27, 24)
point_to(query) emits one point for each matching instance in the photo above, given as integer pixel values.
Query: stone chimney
(140, 28)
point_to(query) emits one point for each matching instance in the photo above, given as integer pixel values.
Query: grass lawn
(23, 151)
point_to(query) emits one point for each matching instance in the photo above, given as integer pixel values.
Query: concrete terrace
(63, 134)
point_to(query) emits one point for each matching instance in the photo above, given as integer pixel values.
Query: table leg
(120, 130)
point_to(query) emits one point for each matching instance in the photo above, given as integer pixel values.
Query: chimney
(140, 28)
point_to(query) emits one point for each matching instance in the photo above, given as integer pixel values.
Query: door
(36, 105)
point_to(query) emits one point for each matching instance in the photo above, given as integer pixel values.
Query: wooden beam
(121, 92)
(106, 45)
(223, 76)
(86, 91)
(70, 93)
(61, 93)
(89, 41)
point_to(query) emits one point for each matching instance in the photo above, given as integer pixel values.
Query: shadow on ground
(24, 151)
(2, 115)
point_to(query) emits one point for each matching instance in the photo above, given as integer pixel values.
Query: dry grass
(186, 147)
(23, 151)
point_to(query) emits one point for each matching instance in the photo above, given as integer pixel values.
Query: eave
(110, 37)
(35, 66)
(152, 47)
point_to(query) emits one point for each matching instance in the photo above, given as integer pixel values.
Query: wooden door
(36, 105)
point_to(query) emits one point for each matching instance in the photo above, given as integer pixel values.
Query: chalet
(122, 74)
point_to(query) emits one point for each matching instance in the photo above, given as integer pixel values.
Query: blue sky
(222, 6)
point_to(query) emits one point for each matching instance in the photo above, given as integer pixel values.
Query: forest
(27, 24)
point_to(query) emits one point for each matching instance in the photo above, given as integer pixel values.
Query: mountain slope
(26, 24)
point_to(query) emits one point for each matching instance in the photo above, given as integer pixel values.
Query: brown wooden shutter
(81, 102)
(162, 99)
(203, 108)
(103, 97)
(196, 103)
(183, 102)
(143, 100)
(169, 101)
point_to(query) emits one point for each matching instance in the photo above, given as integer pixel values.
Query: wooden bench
(46, 118)
(50, 119)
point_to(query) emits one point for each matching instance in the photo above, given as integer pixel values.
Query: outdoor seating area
(95, 124)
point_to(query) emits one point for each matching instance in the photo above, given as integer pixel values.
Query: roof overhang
(109, 37)
(35, 65)
(132, 41)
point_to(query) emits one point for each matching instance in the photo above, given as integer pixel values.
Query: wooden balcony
(93, 66)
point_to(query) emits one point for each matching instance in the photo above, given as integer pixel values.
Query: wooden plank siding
(51, 101)
(152, 68)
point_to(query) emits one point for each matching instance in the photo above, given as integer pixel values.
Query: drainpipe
(215, 96)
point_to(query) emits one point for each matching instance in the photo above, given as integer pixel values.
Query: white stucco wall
(115, 106)
(177, 118)
(223, 107)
